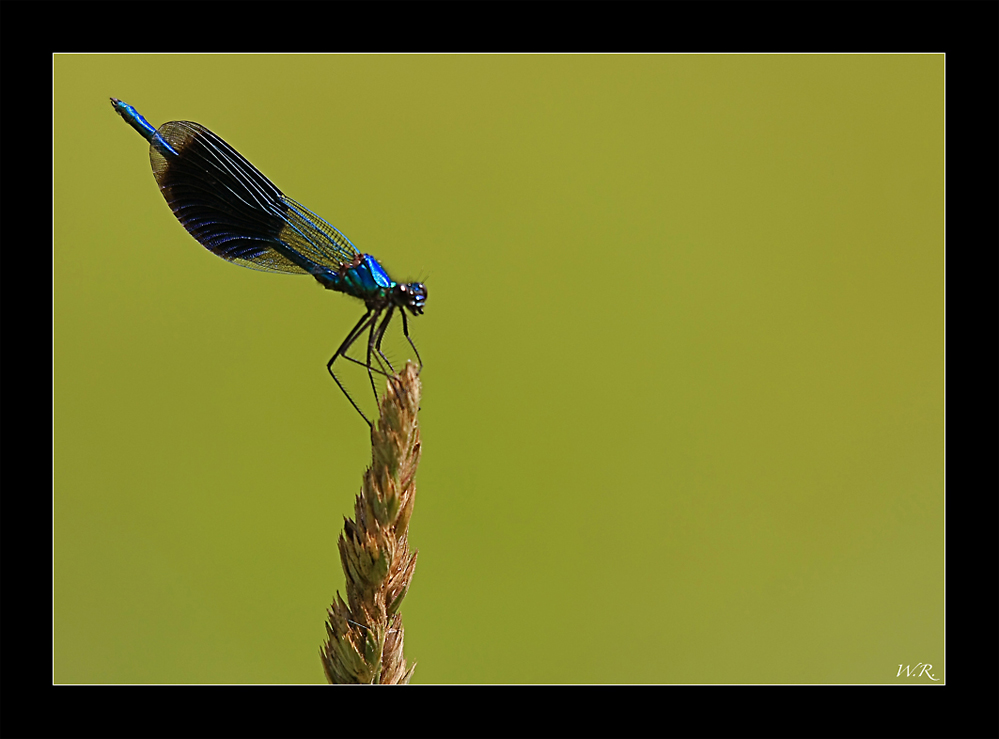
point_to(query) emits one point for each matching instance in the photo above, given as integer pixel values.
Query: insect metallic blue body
(238, 214)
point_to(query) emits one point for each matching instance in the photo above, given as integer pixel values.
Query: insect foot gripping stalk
(364, 635)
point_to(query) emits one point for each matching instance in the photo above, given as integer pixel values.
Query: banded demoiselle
(238, 214)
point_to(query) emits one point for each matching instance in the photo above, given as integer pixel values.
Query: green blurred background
(683, 403)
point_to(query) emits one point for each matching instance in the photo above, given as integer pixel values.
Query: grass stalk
(365, 634)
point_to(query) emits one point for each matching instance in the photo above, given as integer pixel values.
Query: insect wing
(236, 212)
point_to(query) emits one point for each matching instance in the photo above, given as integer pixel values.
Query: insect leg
(381, 335)
(367, 365)
(374, 344)
(341, 352)
(405, 331)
